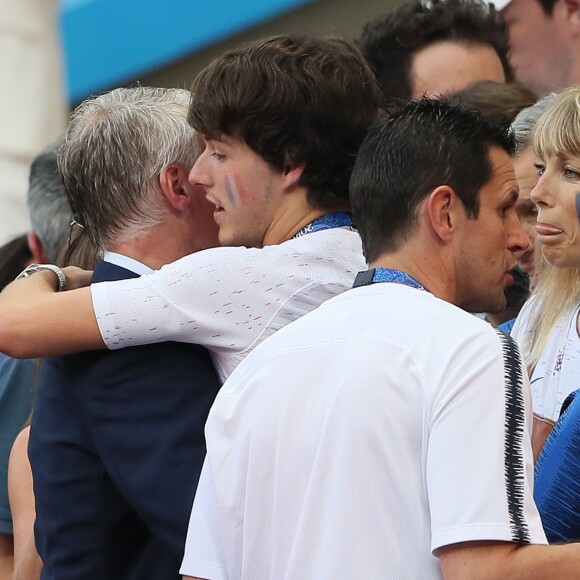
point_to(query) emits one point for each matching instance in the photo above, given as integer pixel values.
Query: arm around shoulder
(35, 320)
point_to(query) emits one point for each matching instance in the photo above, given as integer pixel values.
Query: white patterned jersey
(229, 299)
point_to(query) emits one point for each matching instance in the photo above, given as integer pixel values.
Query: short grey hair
(114, 150)
(48, 206)
(524, 123)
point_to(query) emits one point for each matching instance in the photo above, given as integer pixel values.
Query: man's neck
(294, 214)
(426, 268)
(154, 247)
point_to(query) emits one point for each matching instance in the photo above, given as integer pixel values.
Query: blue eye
(570, 173)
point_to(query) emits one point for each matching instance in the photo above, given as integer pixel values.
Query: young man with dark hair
(282, 121)
(389, 426)
(436, 47)
(545, 45)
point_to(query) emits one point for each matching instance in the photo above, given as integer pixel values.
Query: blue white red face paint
(238, 195)
(232, 190)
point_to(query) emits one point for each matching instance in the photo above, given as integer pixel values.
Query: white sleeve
(204, 551)
(482, 413)
(209, 298)
(228, 299)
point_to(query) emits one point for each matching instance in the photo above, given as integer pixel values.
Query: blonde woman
(550, 329)
(547, 328)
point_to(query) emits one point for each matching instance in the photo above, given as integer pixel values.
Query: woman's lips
(547, 229)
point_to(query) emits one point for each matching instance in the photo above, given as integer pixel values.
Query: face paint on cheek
(578, 206)
(236, 192)
(232, 190)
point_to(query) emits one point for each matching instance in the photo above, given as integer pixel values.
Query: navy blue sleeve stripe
(514, 434)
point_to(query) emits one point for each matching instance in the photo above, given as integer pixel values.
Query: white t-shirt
(557, 373)
(229, 299)
(383, 425)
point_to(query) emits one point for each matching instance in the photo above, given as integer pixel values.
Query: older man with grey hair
(116, 443)
(527, 176)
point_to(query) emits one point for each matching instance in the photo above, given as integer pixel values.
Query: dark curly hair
(294, 100)
(390, 41)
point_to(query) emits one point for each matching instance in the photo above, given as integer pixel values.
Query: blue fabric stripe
(514, 434)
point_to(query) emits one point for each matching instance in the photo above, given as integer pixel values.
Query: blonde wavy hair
(556, 134)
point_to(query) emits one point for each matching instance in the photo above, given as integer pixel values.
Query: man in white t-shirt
(386, 434)
(282, 121)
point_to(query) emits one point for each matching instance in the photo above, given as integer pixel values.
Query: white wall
(32, 106)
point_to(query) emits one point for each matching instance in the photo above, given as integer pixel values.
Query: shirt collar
(127, 263)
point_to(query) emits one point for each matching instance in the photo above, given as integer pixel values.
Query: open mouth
(217, 212)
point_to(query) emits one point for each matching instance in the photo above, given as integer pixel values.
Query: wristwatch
(38, 267)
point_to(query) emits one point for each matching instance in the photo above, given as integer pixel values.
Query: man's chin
(489, 305)
(496, 308)
(225, 238)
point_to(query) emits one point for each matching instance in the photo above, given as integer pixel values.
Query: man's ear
(175, 186)
(36, 249)
(442, 208)
(291, 175)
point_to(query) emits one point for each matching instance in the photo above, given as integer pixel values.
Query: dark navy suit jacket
(116, 448)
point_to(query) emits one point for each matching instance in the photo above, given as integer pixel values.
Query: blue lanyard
(339, 219)
(377, 275)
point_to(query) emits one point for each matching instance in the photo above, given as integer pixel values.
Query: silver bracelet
(38, 267)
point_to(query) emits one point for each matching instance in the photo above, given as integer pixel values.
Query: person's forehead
(503, 182)
(448, 66)
(526, 172)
